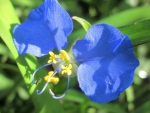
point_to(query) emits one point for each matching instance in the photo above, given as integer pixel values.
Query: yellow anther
(64, 56)
(54, 80)
(66, 69)
(52, 58)
(49, 78)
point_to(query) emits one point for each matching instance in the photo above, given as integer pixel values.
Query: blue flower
(46, 28)
(104, 57)
(106, 63)
(105, 60)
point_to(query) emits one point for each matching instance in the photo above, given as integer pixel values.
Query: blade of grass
(138, 32)
(127, 17)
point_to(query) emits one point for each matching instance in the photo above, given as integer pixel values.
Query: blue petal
(100, 40)
(107, 63)
(103, 79)
(46, 28)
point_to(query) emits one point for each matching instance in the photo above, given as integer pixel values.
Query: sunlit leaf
(85, 24)
(138, 32)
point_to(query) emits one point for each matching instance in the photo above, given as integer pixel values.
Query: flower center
(64, 66)
(64, 60)
(49, 78)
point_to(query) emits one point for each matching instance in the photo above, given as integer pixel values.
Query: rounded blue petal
(106, 63)
(46, 28)
(100, 40)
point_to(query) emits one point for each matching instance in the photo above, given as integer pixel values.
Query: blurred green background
(14, 97)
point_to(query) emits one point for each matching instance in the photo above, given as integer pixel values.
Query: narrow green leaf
(29, 3)
(85, 24)
(27, 64)
(127, 17)
(138, 32)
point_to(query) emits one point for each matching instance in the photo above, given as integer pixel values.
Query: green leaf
(138, 32)
(85, 24)
(27, 64)
(29, 3)
(127, 17)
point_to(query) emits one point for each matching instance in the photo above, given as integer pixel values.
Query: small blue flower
(104, 57)
(105, 60)
(46, 28)
(106, 63)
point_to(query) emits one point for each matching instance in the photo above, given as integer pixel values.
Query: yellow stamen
(54, 80)
(49, 78)
(66, 69)
(64, 56)
(52, 58)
